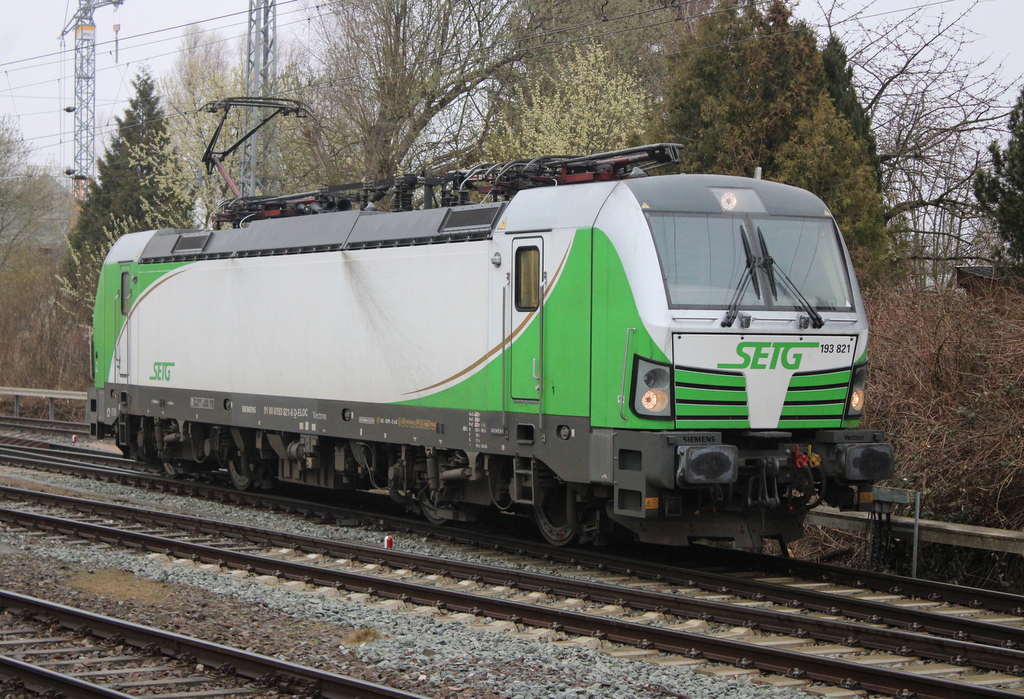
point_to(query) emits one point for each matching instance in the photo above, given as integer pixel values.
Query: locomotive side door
(123, 307)
(526, 361)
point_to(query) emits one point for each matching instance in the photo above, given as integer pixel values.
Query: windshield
(703, 260)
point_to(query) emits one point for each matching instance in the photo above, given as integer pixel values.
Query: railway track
(39, 425)
(663, 620)
(804, 590)
(48, 647)
(73, 455)
(817, 586)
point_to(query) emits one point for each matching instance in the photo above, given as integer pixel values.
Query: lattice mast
(257, 167)
(85, 92)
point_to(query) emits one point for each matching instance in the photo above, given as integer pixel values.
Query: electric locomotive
(680, 356)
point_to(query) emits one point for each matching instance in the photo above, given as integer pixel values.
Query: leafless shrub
(934, 110)
(44, 344)
(946, 386)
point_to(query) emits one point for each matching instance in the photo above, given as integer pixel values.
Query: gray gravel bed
(435, 658)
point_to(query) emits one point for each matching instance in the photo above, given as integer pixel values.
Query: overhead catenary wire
(62, 134)
(315, 7)
(110, 42)
(350, 79)
(153, 43)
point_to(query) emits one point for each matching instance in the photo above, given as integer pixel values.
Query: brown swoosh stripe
(505, 341)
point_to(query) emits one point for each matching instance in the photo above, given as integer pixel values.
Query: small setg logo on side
(161, 371)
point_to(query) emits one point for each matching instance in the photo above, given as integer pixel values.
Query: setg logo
(161, 371)
(768, 355)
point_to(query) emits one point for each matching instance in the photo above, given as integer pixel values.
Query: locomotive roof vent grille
(190, 244)
(471, 218)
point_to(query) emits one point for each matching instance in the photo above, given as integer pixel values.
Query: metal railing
(50, 397)
(930, 531)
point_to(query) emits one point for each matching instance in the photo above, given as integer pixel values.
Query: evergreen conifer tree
(742, 80)
(839, 79)
(1001, 192)
(136, 188)
(752, 89)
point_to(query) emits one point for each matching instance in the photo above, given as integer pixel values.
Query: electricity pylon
(85, 92)
(256, 170)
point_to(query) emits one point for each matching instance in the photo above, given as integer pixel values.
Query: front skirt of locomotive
(676, 487)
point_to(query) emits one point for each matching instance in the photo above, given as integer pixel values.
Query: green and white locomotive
(681, 356)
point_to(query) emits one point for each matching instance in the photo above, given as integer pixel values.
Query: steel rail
(67, 450)
(872, 612)
(898, 641)
(914, 620)
(35, 457)
(9, 441)
(244, 663)
(909, 618)
(39, 680)
(896, 584)
(792, 663)
(30, 423)
(146, 476)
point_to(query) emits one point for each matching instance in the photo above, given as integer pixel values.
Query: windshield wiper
(749, 275)
(770, 266)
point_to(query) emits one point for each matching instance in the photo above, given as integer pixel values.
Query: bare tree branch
(933, 111)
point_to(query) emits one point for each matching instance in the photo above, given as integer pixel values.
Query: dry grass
(831, 546)
(118, 585)
(363, 636)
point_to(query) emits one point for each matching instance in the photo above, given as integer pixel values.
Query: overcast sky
(35, 86)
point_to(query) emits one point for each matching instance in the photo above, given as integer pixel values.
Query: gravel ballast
(413, 652)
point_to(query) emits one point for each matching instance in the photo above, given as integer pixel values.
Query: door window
(527, 290)
(126, 293)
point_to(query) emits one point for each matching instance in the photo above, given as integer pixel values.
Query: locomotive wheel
(432, 513)
(553, 518)
(241, 474)
(172, 469)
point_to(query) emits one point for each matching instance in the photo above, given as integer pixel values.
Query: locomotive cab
(747, 367)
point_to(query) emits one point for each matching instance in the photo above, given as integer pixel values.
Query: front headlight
(855, 405)
(652, 389)
(655, 400)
